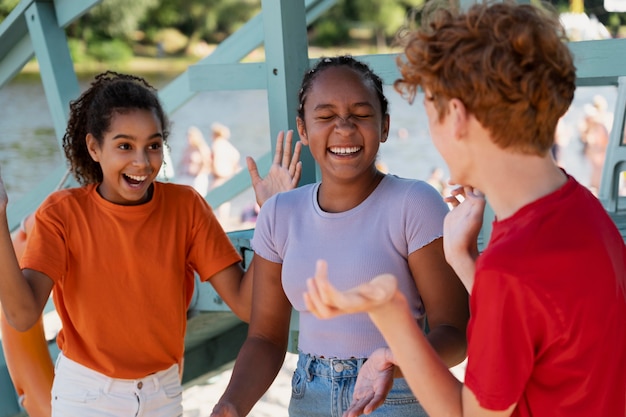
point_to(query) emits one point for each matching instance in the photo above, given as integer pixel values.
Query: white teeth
(345, 151)
(137, 177)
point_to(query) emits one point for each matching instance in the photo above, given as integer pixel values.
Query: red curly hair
(508, 63)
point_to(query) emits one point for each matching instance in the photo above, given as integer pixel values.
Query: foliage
(174, 27)
(111, 51)
(6, 6)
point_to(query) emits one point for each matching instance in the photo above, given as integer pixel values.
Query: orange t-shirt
(124, 275)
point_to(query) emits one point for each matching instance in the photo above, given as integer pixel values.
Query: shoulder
(296, 195)
(410, 187)
(288, 201)
(172, 190)
(67, 196)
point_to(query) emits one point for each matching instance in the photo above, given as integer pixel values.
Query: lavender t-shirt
(399, 217)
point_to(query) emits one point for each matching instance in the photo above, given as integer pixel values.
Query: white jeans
(78, 391)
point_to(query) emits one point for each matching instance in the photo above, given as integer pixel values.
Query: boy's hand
(460, 231)
(325, 301)
(284, 173)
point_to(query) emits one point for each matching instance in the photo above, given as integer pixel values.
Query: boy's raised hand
(284, 173)
(460, 232)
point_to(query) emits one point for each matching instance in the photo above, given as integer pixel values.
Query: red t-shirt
(548, 311)
(124, 275)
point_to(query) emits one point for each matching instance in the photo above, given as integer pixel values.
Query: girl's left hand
(284, 173)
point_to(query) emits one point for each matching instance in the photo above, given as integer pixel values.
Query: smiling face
(343, 123)
(130, 156)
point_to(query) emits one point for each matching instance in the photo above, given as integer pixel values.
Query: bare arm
(235, 287)
(263, 352)
(443, 394)
(232, 284)
(445, 300)
(23, 294)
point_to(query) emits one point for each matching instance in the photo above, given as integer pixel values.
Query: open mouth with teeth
(347, 151)
(135, 179)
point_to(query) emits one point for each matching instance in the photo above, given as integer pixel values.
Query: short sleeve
(502, 335)
(263, 242)
(425, 212)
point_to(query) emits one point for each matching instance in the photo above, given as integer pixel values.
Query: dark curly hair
(109, 93)
(508, 63)
(341, 61)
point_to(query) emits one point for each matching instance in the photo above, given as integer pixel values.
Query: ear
(93, 147)
(385, 133)
(459, 116)
(302, 131)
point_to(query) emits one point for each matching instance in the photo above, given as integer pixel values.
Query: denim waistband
(329, 367)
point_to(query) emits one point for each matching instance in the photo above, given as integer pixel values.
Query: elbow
(243, 313)
(21, 322)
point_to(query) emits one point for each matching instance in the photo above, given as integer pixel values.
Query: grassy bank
(173, 65)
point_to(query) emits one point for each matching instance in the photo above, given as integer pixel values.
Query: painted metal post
(286, 57)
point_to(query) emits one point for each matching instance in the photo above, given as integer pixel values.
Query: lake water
(29, 150)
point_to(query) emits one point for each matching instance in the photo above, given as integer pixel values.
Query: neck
(521, 179)
(337, 197)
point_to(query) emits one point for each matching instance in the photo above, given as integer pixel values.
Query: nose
(141, 158)
(344, 122)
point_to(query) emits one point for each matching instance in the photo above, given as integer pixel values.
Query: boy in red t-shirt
(547, 333)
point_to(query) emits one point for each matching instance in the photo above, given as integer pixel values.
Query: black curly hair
(109, 93)
(341, 61)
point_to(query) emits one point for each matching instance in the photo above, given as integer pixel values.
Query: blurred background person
(196, 162)
(226, 163)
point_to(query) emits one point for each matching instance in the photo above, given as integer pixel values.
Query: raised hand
(325, 301)
(284, 173)
(373, 383)
(460, 232)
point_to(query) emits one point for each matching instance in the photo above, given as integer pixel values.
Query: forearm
(433, 384)
(16, 295)
(464, 265)
(244, 307)
(256, 367)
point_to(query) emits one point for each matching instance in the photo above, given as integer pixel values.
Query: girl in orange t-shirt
(121, 252)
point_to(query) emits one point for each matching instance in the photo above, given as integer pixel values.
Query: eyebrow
(325, 106)
(129, 137)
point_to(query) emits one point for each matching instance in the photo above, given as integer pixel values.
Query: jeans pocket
(400, 394)
(74, 394)
(173, 390)
(298, 384)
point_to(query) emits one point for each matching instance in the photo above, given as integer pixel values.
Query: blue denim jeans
(78, 391)
(323, 388)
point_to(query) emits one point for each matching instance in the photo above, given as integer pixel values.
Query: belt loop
(156, 381)
(308, 366)
(107, 385)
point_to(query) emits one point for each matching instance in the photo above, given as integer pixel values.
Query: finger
(325, 290)
(374, 403)
(452, 200)
(295, 178)
(356, 408)
(296, 158)
(314, 303)
(287, 149)
(279, 147)
(253, 170)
